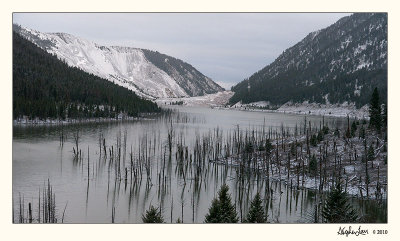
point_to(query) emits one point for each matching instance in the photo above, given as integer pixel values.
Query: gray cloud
(227, 47)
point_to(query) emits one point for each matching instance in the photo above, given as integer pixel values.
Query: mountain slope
(46, 87)
(187, 77)
(343, 62)
(149, 74)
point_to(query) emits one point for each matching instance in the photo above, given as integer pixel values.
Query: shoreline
(320, 112)
(340, 111)
(55, 122)
(220, 100)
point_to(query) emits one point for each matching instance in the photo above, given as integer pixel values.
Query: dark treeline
(46, 87)
(283, 88)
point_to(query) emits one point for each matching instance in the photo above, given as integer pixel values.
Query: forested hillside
(189, 78)
(149, 73)
(343, 62)
(46, 87)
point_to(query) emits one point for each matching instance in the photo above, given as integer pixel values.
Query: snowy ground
(347, 163)
(37, 121)
(338, 110)
(220, 100)
(305, 108)
(211, 100)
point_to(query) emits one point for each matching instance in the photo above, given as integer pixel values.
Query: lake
(124, 167)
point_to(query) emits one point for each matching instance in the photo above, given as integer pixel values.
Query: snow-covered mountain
(341, 63)
(148, 73)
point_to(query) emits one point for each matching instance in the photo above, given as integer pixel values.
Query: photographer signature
(350, 231)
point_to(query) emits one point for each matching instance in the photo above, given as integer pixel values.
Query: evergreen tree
(361, 133)
(213, 215)
(353, 129)
(337, 132)
(312, 166)
(320, 136)
(249, 148)
(222, 210)
(314, 140)
(268, 147)
(256, 213)
(375, 111)
(371, 153)
(293, 149)
(153, 215)
(337, 209)
(384, 116)
(325, 130)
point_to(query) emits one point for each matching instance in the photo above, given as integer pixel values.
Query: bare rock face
(150, 74)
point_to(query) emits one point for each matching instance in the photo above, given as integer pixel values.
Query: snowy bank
(27, 122)
(210, 100)
(220, 99)
(337, 110)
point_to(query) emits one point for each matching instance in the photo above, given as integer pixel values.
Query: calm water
(38, 157)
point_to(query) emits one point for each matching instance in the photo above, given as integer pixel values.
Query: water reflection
(112, 172)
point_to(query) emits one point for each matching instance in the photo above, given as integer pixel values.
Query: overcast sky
(226, 47)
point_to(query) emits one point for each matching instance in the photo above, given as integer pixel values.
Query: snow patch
(338, 110)
(125, 66)
(211, 100)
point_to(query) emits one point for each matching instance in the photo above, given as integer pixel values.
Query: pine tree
(312, 166)
(353, 129)
(325, 130)
(375, 111)
(348, 133)
(256, 213)
(222, 210)
(370, 154)
(337, 132)
(153, 215)
(320, 136)
(213, 215)
(314, 140)
(337, 209)
(268, 147)
(249, 148)
(384, 116)
(361, 133)
(293, 149)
